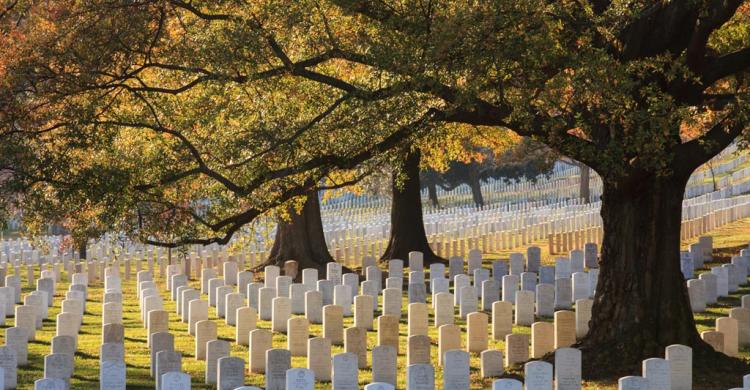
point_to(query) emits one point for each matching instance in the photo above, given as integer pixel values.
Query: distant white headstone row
(329, 300)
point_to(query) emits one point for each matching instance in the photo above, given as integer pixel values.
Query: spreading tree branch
(692, 154)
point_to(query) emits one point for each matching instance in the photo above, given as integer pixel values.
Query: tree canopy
(252, 105)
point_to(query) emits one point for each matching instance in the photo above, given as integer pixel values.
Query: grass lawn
(727, 241)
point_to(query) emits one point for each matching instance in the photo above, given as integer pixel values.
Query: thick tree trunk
(584, 190)
(186, 267)
(641, 304)
(430, 179)
(407, 226)
(432, 193)
(82, 251)
(301, 238)
(476, 186)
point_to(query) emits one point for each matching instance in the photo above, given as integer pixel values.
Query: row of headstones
(567, 326)
(342, 369)
(112, 367)
(345, 249)
(730, 332)
(570, 286)
(222, 370)
(548, 297)
(719, 282)
(27, 317)
(329, 315)
(673, 372)
(309, 296)
(554, 188)
(468, 230)
(478, 313)
(166, 363)
(96, 269)
(298, 327)
(59, 364)
(53, 268)
(487, 355)
(515, 265)
(734, 331)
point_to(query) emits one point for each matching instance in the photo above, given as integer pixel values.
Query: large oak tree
(300, 237)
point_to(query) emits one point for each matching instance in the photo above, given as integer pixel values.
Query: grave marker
(491, 364)
(565, 329)
(282, 310)
(476, 332)
(502, 319)
(113, 333)
(174, 380)
(658, 373)
(384, 364)
(319, 358)
(205, 331)
(449, 338)
(59, 366)
(420, 377)
(456, 370)
(632, 383)
(418, 321)
(364, 311)
(112, 375)
(714, 339)
(730, 328)
(260, 342)
(215, 350)
(418, 350)
(300, 379)
(516, 349)
(9, 365)
(680, 359)
(297, 334)
(538, 375)
(567, 369)
(333, 324)
(542, 339)
(345, 373)
(231, 373)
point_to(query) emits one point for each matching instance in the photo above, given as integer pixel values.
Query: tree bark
(713, 176)
(641, 304)
(301, 238)
(475, 185)
(407, 226)
(430, 179)
(584, 190)
(432, 193)
(82, 251)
